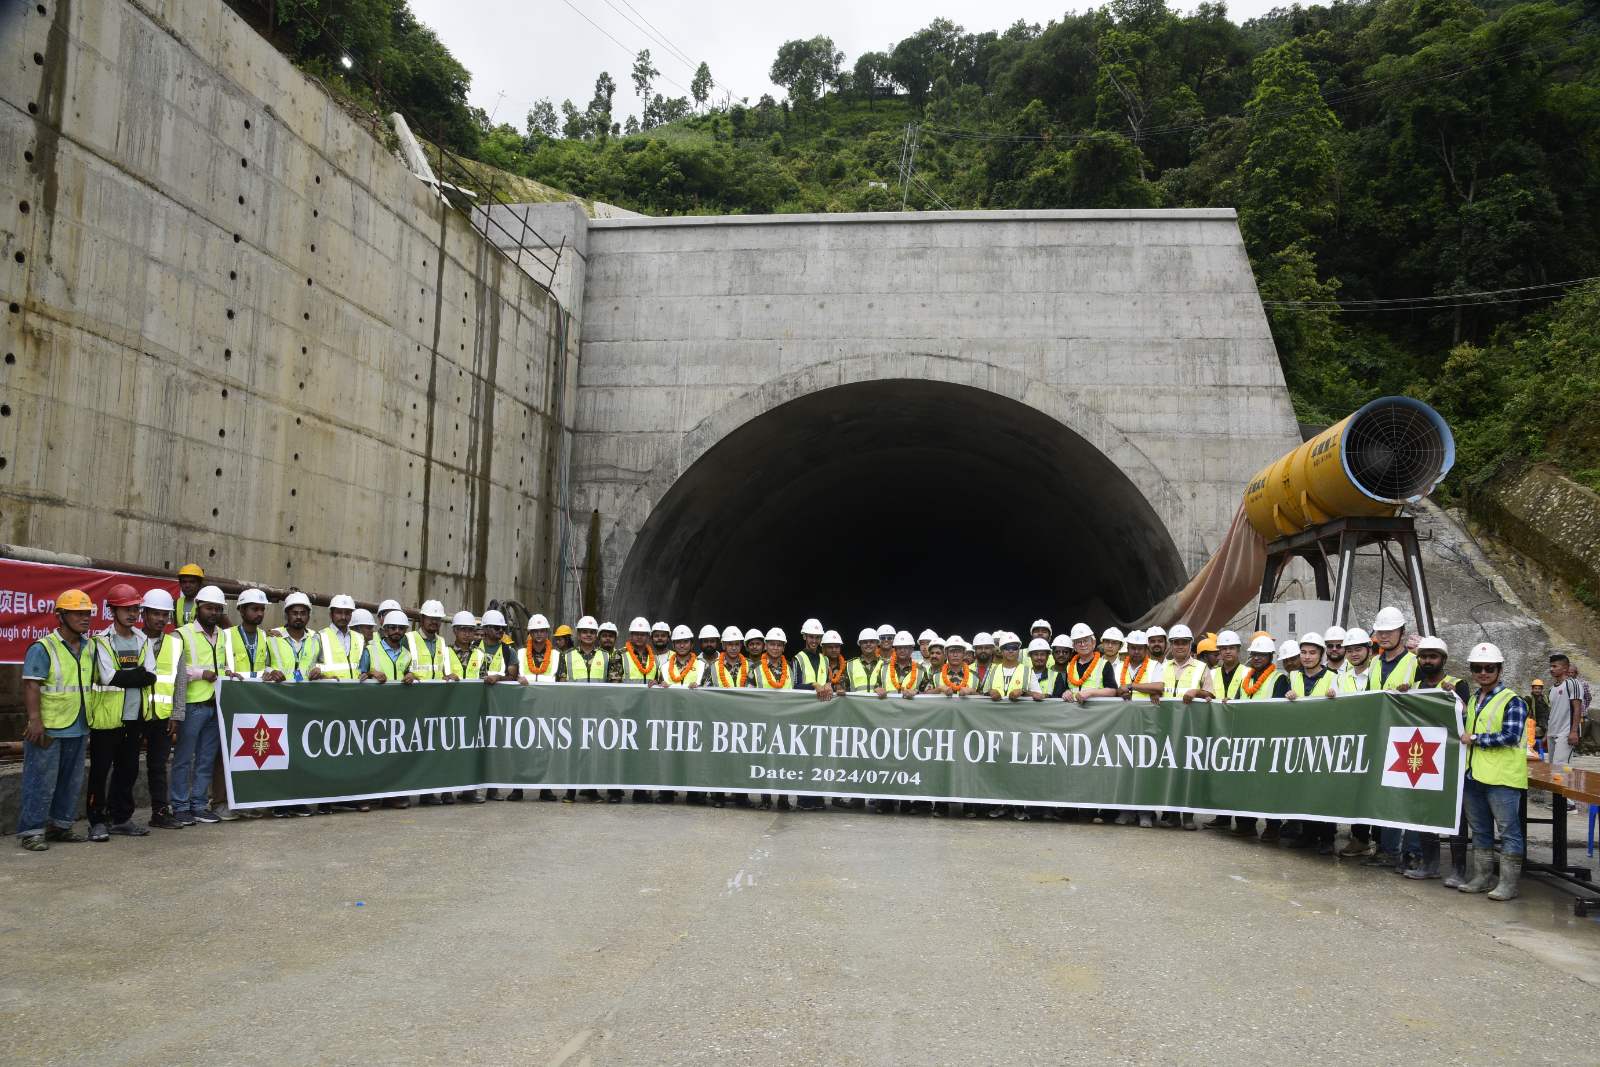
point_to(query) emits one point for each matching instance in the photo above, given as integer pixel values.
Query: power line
(1408, 303)
(660, 38)
(619, 44)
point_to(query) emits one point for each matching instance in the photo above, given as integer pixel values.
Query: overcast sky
(521, 50)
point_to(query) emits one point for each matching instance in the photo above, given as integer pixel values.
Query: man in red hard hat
(124, 675)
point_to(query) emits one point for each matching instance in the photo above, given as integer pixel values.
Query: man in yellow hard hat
(57, 673)
(562, 639)
(190, 579)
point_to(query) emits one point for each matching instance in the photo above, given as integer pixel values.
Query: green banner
(1390, 759)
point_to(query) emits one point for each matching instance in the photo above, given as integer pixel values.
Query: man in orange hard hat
(190, 579)
(57, 673)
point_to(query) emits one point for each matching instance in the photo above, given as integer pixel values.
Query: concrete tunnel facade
(941, 418)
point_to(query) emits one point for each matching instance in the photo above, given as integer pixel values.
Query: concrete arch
(947, 417)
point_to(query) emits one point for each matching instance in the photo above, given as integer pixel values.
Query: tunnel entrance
(923, 504)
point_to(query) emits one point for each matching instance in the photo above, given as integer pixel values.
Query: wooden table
(1575, 784)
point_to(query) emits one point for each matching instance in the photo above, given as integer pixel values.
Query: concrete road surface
(551, 934)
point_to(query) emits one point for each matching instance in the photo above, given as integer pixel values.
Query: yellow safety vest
(1264, 690)
(202, 654)
(1321, 687)
(62, 699)
(237, 657)
(382, 661)
(913, 678)
(1177, 681)
(669, 670)
(1090, 678)
(807, 673)
(1230, 690)
(105, 701)
(631, 674)
(1501, 764)
(530, 669)
(786, 672)
(289, 660)
(1008, 680)
(478, 665)
(863, 679)
(592, 671)
(183, 612)
(335, 661)
(431, 664)
(159, 706)
(1404, 672)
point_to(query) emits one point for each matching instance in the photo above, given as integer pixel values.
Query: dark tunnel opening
(920, 504)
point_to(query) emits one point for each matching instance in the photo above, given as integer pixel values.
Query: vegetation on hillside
(1411, 176)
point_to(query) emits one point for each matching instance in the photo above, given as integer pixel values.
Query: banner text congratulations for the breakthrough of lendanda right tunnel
(1390, 759)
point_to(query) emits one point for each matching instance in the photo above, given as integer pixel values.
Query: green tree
(805, 68)
(644, 74)
(1286, 184)
(700, 85)
(542, 120)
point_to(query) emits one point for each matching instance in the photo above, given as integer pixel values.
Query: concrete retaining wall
(237, 331)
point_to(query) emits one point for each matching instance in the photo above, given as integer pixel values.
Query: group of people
(148, 681)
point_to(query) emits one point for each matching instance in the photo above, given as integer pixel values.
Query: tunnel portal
(912, 502)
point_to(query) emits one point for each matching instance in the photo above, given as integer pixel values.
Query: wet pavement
(566, 935)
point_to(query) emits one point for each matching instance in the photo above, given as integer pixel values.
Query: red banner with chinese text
(28, 594)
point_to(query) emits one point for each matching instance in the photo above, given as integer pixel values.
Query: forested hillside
(1413, 177)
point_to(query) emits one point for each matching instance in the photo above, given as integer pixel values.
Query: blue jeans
(52, 779)
(193, 757)
(1489, 806)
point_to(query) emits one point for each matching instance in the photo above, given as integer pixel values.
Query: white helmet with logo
(362, 617)
(1486, 652)
(432, 609)
(396, 617)
(492, 617)
(252, 596)
(161, 600)
(1389, 619)
(777, 634)
(682, 633)
(831, 638)
(1262, 644)
(342, 602)
(537, 622)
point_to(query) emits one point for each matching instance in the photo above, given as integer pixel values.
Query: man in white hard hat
(1263, 679)
(1089, 674)
(388, 605)
(1061, 652)
(1041, 629)
(387, 659)
(810, 666)
(538, 662)
(956, 678)
(865, 670)
(1223, 681)
(198, 741)
(901, 675)
(607, 638)
(1289, 656)
(755, 643)
(1180, 679)
(982, 659)
(364, 623)
(636, 663)
(1395, 667)
(885, 640)
(585, 662)
(935, 656)
(661, 639)
(710, 643)
(340, 647)
(1138, 674)
(247, 649)
(683, 669)
(1313, 679)
(1112, 643)
(1157, 638)
(1010, 680)
(1333, 638)
(921, 653)
(1357, 661)
(730, 670)
(157, 725)
(1497, 775)
(431, 659)
(772, 670)
(463, 636)
(1052, 683)
(493, 661)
